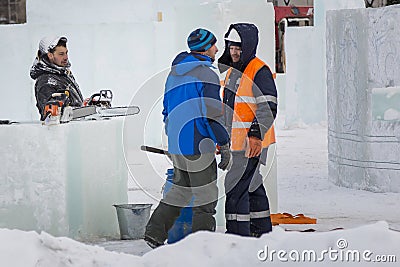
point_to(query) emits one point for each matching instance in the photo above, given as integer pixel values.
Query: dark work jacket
(51, 79)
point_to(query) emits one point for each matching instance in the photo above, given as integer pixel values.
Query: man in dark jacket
(51, 70)
(193, 123)
(250, 99)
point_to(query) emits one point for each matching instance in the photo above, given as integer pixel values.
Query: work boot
(151, 242)
(258, 235)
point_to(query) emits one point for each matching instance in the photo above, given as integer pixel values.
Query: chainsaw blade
(83, 112)
(118, 111)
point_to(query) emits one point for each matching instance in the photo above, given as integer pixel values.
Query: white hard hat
(233, 36)
(49, 42)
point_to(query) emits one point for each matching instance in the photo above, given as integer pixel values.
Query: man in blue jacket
(193, 123)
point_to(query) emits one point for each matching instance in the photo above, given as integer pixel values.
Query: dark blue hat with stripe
(201, 40)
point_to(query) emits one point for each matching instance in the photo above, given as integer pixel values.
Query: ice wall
(17, 98)
(63, 179)
(304, 91)
(363, 98)
(305, 88)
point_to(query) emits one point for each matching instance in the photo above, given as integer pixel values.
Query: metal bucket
(132, 219)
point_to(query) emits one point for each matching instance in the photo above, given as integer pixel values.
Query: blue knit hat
(201, 40)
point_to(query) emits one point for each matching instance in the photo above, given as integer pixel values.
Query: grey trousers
(194, 177)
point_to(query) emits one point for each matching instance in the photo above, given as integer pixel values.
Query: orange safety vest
(245, 108)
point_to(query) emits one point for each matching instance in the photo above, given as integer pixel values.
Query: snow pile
(357, 246)
(19, 248)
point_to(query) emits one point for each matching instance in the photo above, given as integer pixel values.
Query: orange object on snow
(287, 218)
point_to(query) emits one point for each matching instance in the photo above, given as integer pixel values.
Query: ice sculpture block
(63, 179)
(363, 79)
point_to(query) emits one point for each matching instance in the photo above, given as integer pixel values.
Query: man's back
(191, 98)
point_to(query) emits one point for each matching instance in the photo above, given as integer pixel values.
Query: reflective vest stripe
(240, 124)
(237, 217)
(256, 100)
(245, 99)
(259, 214)
(266, 98)
(247, 217)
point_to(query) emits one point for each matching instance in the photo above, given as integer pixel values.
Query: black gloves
(226, 157)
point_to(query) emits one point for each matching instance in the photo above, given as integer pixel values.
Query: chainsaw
(98, 106)
(58, 110)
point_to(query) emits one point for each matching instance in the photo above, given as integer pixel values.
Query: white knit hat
(49, 42)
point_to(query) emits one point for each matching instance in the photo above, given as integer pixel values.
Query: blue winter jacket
(192, 106)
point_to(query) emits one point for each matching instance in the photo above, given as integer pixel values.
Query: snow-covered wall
(363, 58)
(305, 89)
(304, 92)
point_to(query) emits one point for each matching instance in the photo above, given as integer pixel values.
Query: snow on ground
(360, 246)
(303, 187)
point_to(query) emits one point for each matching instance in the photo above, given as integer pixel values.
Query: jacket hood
(249, 38)
(186, 62)
(42, 66)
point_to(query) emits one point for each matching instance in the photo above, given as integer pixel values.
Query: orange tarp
(287, 218)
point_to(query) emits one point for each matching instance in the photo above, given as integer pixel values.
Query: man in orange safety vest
(250, 108)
